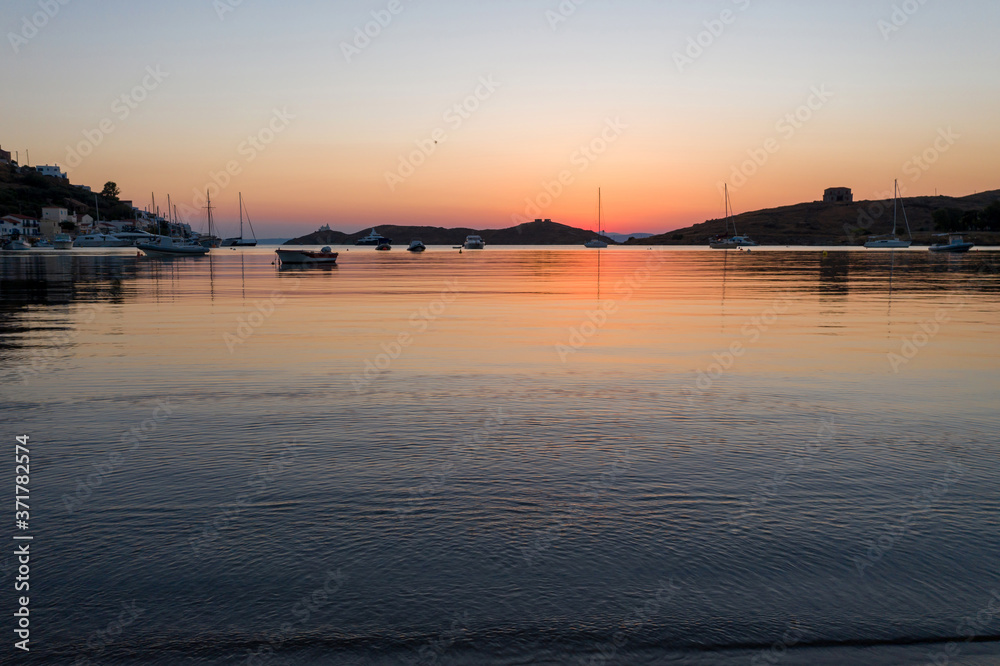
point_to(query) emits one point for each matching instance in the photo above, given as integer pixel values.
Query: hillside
(531, 233)
(28, 193)
(821, 223)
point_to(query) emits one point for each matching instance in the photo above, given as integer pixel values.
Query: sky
(328, 112)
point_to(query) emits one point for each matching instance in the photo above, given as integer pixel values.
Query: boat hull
(887, 244)
(952, 247)
(306, 257)
(238, 242)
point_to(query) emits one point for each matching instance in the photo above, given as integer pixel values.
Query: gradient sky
(685, 129)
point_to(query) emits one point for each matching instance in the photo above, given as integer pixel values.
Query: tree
(948, 220)
(990, 217)
(111, 190)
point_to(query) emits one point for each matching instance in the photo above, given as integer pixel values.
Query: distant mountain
(621, 238)
(821, 223)
(539, 232)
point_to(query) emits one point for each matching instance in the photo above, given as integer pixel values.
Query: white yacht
(474, 242)
(62, 242)
(134, 237)
(374, 238)
(100, 240)
(892, 241)
(416, 246)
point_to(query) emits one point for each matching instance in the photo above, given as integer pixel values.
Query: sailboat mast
(208, 207)
(895, 201)
(241, 216)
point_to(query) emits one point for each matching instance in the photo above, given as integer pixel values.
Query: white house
(53, 171)
(21, 225)
(51, 219)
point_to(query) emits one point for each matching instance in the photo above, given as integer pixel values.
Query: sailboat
(211, 240)
(735, 241)
(892, 241)
(597, 242)
(241, 242)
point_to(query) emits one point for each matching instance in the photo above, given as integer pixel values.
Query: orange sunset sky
(327, 112)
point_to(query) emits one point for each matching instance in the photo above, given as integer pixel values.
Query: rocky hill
(539, 232)
(821, 223)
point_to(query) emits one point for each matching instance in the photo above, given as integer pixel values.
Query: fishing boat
(166, 247)
(374, 238)
(383, 247)
(474, 242)
(734, 242)
(242, 242)
(326, 256)
(955, 243)
(62, 242)
(597, 243)
(892, 241)
(416, 246)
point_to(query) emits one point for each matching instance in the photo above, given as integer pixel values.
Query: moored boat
(326, 256)
(955, 243)
(416, 246)
(100, 240)
(597, 243)
(892, 241)
(734, 242)
(62, 242)
(474, 242)
(242, 242)
(374, 238)
(165, 246)
(17, 244)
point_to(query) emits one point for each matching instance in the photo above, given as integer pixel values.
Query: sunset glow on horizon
(483, 115)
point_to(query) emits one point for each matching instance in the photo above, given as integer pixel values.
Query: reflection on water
(510, 456)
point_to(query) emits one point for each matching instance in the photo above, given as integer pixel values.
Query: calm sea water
(514, 456)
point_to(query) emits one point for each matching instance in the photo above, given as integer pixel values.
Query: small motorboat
(165, 247)
(955, 243)
(18, 244)
(474, 243)
(384, 247)
(63, 242)
(416, 246)
(326, 256)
